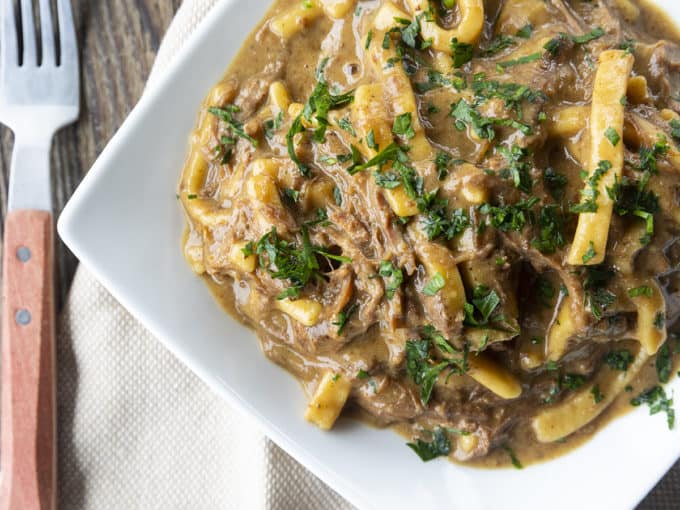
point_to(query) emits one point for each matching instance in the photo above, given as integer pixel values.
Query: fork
(39, 94)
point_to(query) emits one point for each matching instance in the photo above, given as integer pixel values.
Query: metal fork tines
(39, 92)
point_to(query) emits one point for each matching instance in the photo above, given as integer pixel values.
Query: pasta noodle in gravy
(459, 219)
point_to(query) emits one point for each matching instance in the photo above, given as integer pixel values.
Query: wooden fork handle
(28, 435)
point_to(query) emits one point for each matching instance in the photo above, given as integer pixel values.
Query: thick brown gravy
(468, 228)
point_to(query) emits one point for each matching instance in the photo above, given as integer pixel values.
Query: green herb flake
(435, 284)
(589, 254)
(664, 363)
(461, 52)
(370, 141)
(480, 312)
(597, 394)
(643, 290)
(424, 368)
(526, 31)
(591, 192)
(369, 38)
(344, 316)
(658, 402)
(297, 263)
(402, 126)
(660, 320)
(612, 135)
(272, 125)
(513, 458)
(619, 360)
(393, 277)
(440, 446)
(526, 59)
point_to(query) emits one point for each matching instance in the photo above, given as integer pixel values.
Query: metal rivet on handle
(23, 317)
(23, 254)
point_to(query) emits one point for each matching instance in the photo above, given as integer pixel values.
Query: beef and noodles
(458, 219)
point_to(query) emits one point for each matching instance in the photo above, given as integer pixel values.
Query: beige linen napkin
(138, 430)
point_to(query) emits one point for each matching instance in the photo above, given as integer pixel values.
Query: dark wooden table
(118, 42)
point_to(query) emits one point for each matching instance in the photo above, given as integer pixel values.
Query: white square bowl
(125, 224)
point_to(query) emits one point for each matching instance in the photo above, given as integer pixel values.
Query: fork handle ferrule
(28, 413)
(29, 179)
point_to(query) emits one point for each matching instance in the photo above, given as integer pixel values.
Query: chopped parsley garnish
(436, 80)
(272, 125)
(500, 66)
(320, 102)
(649, 155)
(440, 446)
(590, 36)
(387, 180)
(627, 45)
(466, 114)
(612, 135)
(226, 115)
(344, 316)
(526, 31)
(390, 153)
(481, 311)
(572, 381)
(631, 198)
(370, 141)
(292, 196)
(512, 94)
(554, 45)
(402, 125)
(589, 254)
(498, 44)
(509, 217)
(619, 360)
(597, 297)
(589, 195)
(286, 260)
(438, 221)
(461, 52)
(362, 374)
(518, 168)
(642, 290)
(423, 366)
(555, 182)
(551, 226)
(393, 277)
(435, 284)
(675, 129)
(664, 363)
(597, 394)
(657, 401)
(513, 458)
(442, 162)
(369, 38)
(296, 127)
(660, 320)
(346, 125)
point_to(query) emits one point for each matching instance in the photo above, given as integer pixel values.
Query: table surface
(118, 43)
